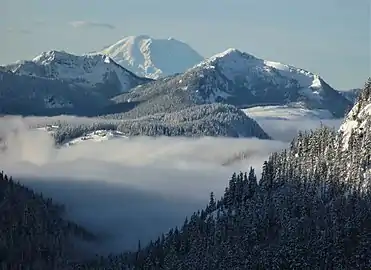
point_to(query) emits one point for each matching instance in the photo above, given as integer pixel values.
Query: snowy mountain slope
(283, 123)
(351, 94)
(153, 58)
(29, 95)
(239, 79)
(98, 72)
(218, 120)
(358, 120)
(200, 120)
(286, 113)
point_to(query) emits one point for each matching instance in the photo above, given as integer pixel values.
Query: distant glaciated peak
(153, 58)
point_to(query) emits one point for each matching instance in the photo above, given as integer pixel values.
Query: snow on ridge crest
(86, 70)
(311, 80)
(227, 52)
(234, 62)
(65, 58)
(48, 56)
(231, 58)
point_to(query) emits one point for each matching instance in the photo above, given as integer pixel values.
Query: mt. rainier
(153, 58)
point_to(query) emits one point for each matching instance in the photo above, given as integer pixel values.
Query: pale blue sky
(328, 37)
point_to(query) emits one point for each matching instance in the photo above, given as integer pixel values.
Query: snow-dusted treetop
(359, 118)
(153, 58)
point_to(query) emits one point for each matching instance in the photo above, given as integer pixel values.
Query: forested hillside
(202, 120)
(311, 209)
(33, 234)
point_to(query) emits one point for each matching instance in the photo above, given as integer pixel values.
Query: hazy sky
(329, 37)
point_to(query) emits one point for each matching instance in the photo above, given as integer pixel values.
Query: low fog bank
(279, 129)
(126, 190)
(286, 130)
(118, 214)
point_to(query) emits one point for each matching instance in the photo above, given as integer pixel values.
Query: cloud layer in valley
(126, 190)
(286, 130)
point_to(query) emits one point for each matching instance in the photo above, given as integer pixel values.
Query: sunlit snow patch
(49, 128)
(286, 113)
(98, 136)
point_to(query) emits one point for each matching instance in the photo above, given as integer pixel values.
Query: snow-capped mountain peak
(86, 70)
(242, 79)
(231, 57)
(234, 63)
(153, 58)
(230, 52)
(48, 57)
(62, 57)
(248, 69)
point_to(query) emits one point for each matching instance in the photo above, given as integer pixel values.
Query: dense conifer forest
(310, 209)
(33, 234)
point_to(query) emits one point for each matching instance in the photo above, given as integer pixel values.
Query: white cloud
(128, 189)
(286, 130)
(87, 24)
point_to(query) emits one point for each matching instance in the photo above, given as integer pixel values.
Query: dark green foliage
(310, 210)
(32, 233)
(28, 95)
